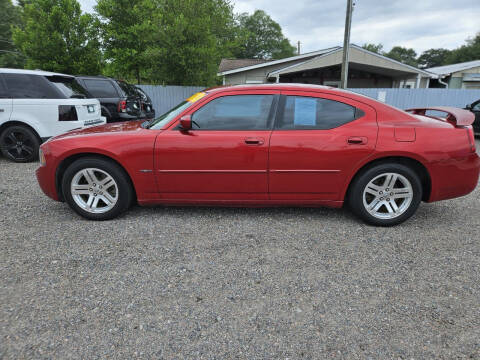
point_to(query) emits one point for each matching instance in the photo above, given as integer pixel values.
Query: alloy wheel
(94, 190)
(18, 144)
(388, 195)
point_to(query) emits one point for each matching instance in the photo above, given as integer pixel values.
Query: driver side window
(476, 107)
(235, 112)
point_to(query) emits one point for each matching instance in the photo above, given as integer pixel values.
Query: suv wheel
(386, 194)
(97, 189)
(19, 143)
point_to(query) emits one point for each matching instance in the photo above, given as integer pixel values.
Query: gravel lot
(219, 283)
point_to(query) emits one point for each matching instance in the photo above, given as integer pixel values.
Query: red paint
(272, 167)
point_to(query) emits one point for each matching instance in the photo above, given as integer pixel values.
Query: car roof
(94, 77)
(292, 87)
(32, 72)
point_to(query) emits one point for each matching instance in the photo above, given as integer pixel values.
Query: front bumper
(47, 182)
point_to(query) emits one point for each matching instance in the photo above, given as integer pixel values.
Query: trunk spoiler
(457, 116)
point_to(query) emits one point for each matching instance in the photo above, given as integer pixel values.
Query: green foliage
(433, 57)
(404, 55)
(9, 54)
(376, 48)
(260, 37)
(468, 52)
(56, 36)
(193, 36)
(127, 29)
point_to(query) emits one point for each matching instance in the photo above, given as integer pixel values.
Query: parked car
(36, 105)
(475, 108)
(120, 101)
(147, 105)
(268, 145)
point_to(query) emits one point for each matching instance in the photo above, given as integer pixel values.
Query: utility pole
(346, 45)
(298, 48)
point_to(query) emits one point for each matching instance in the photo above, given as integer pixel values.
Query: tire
(19, 144)
(102, 188)
(372, 189)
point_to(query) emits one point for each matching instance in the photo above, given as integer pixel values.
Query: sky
(417, 24)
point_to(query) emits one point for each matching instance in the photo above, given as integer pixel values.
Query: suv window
(302, 112)
(101, 88)
(476, 107)
(70, 87)
(128, 89)
(237, 112)
(25, 86)
(3, 90)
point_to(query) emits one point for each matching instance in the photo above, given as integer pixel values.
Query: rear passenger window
(302, 112)
(236, 112)
(101, 88)
(3, 91)
(23, 86)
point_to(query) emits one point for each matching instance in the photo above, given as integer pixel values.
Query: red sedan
(267, 145)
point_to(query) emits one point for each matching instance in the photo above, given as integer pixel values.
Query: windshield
(128, 89)
(164, 119)
(68, 86)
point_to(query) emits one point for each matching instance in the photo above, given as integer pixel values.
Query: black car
(147, 105)
(119, 100)
(475, 108)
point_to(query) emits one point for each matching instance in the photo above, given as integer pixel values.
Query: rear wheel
(19, 143)
(97, 189)
(386, 194)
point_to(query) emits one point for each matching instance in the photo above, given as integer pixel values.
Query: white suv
(36, 105)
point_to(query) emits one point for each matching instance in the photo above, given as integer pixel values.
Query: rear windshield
(128, 89)
(70, 87)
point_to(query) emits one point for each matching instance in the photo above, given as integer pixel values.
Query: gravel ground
(217, 283)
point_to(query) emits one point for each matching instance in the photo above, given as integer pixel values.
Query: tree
(468, 52)
(433, 57)
(376, 48)
(127, 30)
(404, 55)
(57, 37)
(192, 37)
(9, 54)
(261, 38)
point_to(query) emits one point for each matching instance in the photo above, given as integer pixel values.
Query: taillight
(471, 138)
(122, 106)
(67, 113)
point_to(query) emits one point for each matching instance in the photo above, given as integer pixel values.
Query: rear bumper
(454, 178)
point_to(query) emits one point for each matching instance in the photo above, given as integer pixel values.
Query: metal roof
(275, 62)
(448, 69)
(338, 49)
(32, 72)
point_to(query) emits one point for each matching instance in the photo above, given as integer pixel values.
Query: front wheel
(386, 194)
(20, 144)
(97, 189)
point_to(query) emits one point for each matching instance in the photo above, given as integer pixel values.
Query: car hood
(114, 128)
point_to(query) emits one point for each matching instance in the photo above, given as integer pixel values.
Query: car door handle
(254, 141)
(357, 140)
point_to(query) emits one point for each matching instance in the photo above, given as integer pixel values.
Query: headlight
(41, 156)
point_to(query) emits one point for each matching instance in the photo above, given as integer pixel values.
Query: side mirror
(468, 107)
(186, 122)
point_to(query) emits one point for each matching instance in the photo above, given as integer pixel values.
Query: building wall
(456, 79)
(259, 75)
